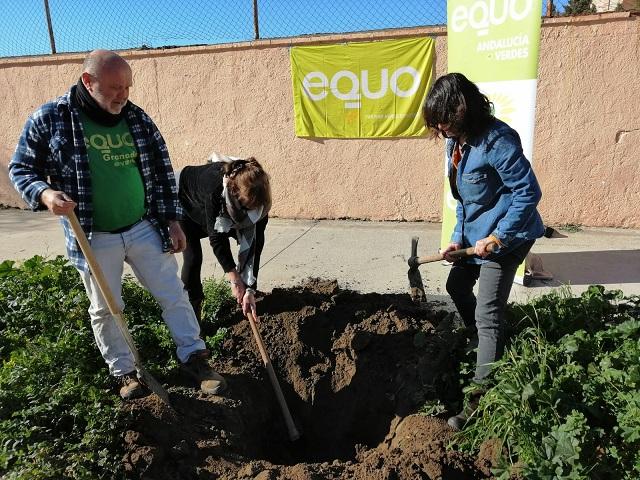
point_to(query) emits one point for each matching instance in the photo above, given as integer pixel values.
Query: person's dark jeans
(486, 310)
(192, 257)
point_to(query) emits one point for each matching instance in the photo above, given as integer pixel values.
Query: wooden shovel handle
(94, 266)
(291, 427)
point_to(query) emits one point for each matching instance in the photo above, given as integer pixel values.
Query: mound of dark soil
(354, 369)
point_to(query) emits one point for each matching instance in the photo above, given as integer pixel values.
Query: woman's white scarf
(244, 223)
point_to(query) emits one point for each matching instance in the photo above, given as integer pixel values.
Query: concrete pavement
(372, 256)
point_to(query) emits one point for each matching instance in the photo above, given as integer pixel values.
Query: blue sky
(82, 25)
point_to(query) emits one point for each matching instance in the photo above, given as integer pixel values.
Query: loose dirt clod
(354, 369)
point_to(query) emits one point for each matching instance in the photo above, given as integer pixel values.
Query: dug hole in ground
(355, 369)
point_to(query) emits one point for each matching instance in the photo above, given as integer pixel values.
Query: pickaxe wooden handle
(462, 253)
(294, 434)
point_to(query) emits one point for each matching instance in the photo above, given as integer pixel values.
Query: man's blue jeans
(486, 311)
(157, 271)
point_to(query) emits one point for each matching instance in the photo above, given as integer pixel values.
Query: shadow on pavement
(588, 268)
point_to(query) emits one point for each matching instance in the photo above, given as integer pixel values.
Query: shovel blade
(152, 384)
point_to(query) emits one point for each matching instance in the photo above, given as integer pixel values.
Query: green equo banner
(363, 89)
(494, 40)
(495, 43)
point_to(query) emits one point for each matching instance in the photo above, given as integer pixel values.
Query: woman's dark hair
(456, 101)
(248, 183)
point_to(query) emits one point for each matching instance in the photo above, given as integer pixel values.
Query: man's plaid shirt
(51, 153)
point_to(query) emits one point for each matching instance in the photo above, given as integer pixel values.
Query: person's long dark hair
(455, 100)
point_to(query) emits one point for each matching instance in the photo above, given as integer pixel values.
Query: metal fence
(36, 27)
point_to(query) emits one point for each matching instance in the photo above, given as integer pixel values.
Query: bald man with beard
(94, 152)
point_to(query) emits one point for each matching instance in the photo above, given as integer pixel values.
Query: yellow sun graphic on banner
(352, 116)
(504, 107)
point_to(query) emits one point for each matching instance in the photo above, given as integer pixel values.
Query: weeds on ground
(214, 342)
(60, 415)
(564, 400)
(218, 304)
(570, 227)
(433, 408)
(217, 307)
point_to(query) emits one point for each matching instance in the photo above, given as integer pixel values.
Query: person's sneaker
(131, 387)
(198, 368)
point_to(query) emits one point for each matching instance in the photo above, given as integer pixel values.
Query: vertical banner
(361, 89)
(495, 43)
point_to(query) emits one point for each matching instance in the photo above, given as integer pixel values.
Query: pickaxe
(416, 287)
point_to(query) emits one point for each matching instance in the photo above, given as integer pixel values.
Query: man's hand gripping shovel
(145, 377)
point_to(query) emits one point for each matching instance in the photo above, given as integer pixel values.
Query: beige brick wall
(236, 99)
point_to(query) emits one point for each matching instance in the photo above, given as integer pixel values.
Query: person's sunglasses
(442, 129)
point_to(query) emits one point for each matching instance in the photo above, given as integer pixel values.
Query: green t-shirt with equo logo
(116, 183)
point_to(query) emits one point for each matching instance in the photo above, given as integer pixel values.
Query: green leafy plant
(215, 342)
(60, 416)
(433, 408)
(217, 308)
(218, 302)
(564, 400)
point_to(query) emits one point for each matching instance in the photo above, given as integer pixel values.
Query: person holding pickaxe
(497, 195)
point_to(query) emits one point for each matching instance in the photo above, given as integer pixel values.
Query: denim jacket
(51, 152)
(497, 191)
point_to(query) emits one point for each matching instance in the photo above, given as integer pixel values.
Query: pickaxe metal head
(416, 287)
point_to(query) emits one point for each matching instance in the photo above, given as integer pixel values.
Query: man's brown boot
(198, 368)
(131, 387)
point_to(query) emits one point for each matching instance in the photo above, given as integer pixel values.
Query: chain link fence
(36, 27)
